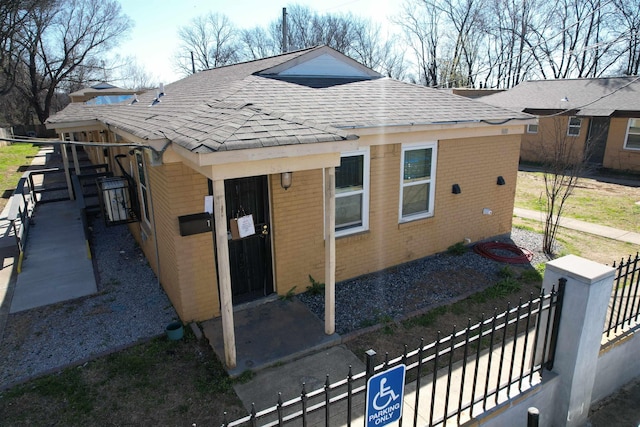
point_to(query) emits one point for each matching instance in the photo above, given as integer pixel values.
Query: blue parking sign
(385, 393)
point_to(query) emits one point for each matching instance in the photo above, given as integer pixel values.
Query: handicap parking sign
(385, 392)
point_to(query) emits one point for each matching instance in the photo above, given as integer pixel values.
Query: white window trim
(431, 180)
(626, 136)
(144, 207)
(569, 127)
(529, 128)
(365, 152)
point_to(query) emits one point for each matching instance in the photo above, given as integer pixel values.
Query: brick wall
(474, 164)
(616, 156)
(550, 130)
(187, 268)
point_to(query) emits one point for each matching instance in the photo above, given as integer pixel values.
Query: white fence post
(583, 314)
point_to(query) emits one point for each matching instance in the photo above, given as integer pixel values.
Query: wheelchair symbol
(385, 392)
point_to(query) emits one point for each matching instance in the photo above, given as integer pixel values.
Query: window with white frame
(417, 181)
(532, 128)
(142, 185)
(632, 140)
(352, 193)
(574, 126)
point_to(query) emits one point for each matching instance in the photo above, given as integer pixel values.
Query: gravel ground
(129, 307)
(430, 281)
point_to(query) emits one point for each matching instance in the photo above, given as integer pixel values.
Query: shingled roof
(582, 97)
(243, 106)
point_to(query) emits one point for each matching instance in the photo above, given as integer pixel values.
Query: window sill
(355, 233)
(413, 219)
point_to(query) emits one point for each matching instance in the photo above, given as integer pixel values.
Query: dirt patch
(160, 382)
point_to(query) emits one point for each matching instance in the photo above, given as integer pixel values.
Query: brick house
(604, 112)
(344, 172)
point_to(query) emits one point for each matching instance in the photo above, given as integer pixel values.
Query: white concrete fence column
(584, 310)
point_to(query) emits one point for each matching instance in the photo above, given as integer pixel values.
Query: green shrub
(316, 288)
(457, 249)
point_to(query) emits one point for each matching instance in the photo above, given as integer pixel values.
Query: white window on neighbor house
(532, 128)
(417, 180)
(142, 186)
(632, 140)
(574, 126)
(352, 193)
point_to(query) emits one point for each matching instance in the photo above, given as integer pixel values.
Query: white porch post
(330, 250)
(74, 154)
(224, 273)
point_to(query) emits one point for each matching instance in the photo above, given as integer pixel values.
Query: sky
(153, 39)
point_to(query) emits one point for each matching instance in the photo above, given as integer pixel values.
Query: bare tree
(62, 43)
(564, 160)
(466, 18)
(420, 28)
(213, 41)
(257, 43)
(627, 21)
(131, 75)
(14, 15)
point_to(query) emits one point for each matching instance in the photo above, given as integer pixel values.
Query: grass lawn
(13, 161)
(592, 201)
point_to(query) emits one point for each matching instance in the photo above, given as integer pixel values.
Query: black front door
(250, 257)
(597, 139)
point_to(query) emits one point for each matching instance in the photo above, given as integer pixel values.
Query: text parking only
(385, 392)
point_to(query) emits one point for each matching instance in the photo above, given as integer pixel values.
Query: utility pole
(285, 48)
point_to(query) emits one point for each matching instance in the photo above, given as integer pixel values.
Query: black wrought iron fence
(624, 306)
(453, 379)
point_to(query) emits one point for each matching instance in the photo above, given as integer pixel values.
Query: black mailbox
(195, 223)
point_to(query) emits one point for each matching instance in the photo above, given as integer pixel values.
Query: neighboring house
(599, 115)
(343, 171)
(102, 93)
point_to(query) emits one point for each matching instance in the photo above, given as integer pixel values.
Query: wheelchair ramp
(57, 265)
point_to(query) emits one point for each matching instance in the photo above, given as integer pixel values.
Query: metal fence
(453, 379)
(624, 306)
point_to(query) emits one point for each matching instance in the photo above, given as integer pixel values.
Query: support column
(74, 154)
(584, 310)
(330, 250)
(224, 273)
(65, 163)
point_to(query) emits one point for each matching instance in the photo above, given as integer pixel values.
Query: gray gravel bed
(431, 281)
(129, 307)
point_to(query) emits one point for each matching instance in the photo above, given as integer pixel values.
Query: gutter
(456, 122)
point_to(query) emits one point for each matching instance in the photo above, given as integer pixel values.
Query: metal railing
(459, 375)
(624, 306)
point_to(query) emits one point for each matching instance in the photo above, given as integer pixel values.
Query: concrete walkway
(583, 226)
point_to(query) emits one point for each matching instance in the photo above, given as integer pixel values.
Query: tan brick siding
(187, 268)
(616, 156)
(551, 129)
(474, 164)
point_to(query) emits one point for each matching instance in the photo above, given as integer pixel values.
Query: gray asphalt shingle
(233, 107)
(589, 97)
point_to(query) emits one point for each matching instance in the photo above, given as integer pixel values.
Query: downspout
(158, 155)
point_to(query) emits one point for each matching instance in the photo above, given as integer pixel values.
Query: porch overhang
(261, 161)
